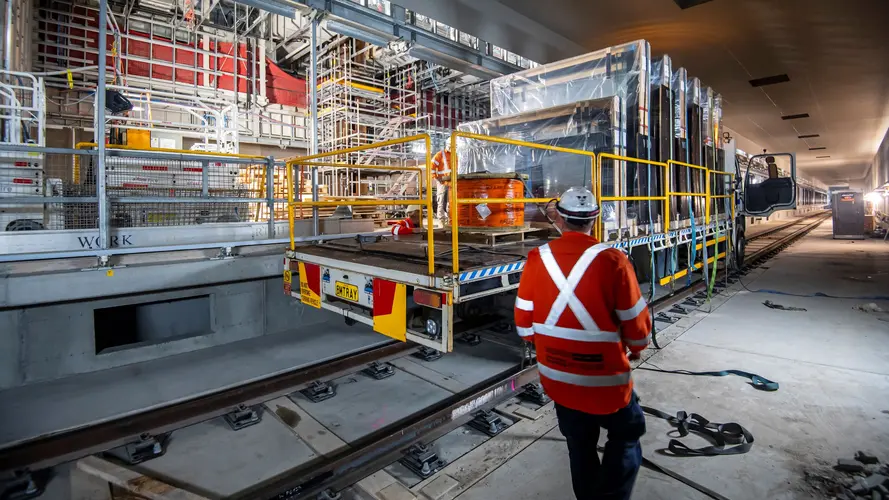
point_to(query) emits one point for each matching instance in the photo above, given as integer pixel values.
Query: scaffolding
(360, 102)
(201, 83)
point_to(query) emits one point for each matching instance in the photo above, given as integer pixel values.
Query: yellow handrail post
(453, 208)
(430, 221)
(600, 226)
(707, 197)
(667, 180)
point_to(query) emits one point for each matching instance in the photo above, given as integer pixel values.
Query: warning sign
(288, 281)
(310, 284)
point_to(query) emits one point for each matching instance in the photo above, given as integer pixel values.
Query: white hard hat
(578, 203)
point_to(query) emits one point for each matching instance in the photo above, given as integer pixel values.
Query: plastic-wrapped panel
(661, 131)
(614, 71)
(593, 125)
(696, 146)
(622, 71)
(680, 206)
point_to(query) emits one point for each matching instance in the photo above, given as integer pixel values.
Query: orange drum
(491, 216)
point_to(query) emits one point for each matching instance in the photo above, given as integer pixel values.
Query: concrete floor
(832, 362)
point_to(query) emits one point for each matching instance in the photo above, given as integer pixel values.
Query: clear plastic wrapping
(680, 104)
(617, 76)
(614, 71)
(592, 125)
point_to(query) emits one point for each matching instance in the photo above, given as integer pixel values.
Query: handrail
(356, 201)
(456, 202)
(720, 196)
(705, 194)
(665, 198)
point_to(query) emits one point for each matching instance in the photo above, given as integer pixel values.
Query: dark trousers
(613, 478)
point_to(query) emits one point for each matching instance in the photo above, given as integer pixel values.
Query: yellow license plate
(346, 291)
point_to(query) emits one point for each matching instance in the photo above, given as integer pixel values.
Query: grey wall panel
(284, 313)
(10, 349)
(58, 340)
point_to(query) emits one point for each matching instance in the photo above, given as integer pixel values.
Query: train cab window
(770, 184)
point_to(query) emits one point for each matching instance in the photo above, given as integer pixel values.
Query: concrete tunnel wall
(53, 341)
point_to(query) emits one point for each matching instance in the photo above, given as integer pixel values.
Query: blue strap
(758, 382)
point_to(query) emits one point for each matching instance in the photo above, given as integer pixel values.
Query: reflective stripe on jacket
(441, 166)
(580, 303)
(404, 226)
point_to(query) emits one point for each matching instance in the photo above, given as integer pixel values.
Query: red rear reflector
(155, 168)
(130, 185)
(192, 169)
(22, 181)
(427, 298)
(21, 164)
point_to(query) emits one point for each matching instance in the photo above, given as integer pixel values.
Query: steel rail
(806, 225)
(50, 450)
(385, 446)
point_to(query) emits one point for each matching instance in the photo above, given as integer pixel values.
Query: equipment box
(848, 215)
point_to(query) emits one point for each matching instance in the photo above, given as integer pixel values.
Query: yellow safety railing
(456, 202)
(353, 201)
(705, 194)
(730, 196)
(665, 198)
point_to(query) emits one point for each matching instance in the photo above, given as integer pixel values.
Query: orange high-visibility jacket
(580, 303)
(441, 166)
(404, 226)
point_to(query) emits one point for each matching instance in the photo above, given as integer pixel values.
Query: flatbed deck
(407, 254)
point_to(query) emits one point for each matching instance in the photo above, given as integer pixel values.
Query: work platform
(831, 361)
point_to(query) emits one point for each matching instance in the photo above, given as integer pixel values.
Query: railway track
(362, 457)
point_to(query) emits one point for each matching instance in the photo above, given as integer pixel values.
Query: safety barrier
(356, 201)
(456, 202)
(676, 167)
(727, 185)
(665, 199)
(230, 196)
(172, 187)
(665, 196)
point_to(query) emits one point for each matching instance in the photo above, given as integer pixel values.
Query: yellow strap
(70, 79)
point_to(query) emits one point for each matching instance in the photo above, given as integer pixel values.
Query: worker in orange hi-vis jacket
(408, 225)
(580, 304)
(441, 171)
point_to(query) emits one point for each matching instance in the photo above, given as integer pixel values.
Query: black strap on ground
(758, 382)
(772, 305)
(720, 435)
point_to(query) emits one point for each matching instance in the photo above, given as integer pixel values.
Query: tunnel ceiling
(835, 54)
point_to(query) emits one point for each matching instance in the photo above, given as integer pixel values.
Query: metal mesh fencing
(152, 191)
(45, 191)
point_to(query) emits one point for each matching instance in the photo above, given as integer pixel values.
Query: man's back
(580, 303)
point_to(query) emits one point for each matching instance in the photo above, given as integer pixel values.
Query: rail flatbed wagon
(385, 283)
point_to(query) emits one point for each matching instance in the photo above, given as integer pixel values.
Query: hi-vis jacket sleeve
(524, 302)
(631, 309)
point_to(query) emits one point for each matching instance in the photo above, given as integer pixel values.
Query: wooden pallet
(500, 238)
